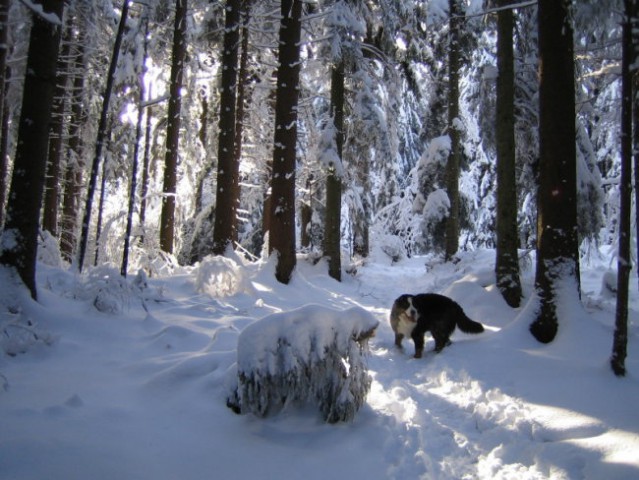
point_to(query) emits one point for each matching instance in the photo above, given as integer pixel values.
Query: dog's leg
(441, 342)
(398, 339)
(418, 338)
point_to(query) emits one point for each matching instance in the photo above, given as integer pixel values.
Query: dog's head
(404, 308)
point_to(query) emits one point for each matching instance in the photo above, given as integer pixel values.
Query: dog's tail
(467, 325)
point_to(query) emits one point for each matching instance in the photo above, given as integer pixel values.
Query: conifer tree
(167, 219)
(19, 243)
(282, 202)
(624, 260)
(228, 165)
(557, 246)
(454, 127)
(507, 264)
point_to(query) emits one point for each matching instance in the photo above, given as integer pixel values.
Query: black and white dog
(414, 315)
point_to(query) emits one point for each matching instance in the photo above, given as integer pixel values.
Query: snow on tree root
(312, 354)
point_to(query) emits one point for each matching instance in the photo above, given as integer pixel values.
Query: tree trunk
(333, 181)
(144, 189)
(227, 166)
(167, 219)
(557, 247)
(507, 263)
(454, 158)
(361, 242)
(282, 221)
(20, 235)
(74, 164)
(242, 96)
(56, 129)
(624, 261)
(635, 114)
(103, 182)
(4, 110)
(102, 127)
(136, 150)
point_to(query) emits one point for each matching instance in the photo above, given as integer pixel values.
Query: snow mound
(312, 354)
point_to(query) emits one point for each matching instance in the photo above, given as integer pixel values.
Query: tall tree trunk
(203, 137)
(506, 264)
(635, 114)
(56, 141)
(144, 189)
(361, 241)
(624, 260)
(102, 127)
(74, 159)
(167, 219)
(557, 247)
(306, 214)
(333, 181)
(136, 150)
(103, 182)
(454, 158)
(227, 166)
(4, 110)
(242, 95)
(19, 241)
(282, 204)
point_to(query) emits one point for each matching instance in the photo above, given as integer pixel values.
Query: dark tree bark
(4, 110)
(454, 158)
(227, 166)
(333, 181)
(282, 202)
(20, 235)
(167, 219)
(557, 246)
(74, 164)
(101, 135)
(624, 260)
(56, 141)
(507, 263)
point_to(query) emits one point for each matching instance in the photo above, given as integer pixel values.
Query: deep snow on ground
(140, 393)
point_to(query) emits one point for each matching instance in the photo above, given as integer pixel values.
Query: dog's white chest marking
(407, 320)
(405, 325)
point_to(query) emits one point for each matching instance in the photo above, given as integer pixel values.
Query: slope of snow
(140, 393)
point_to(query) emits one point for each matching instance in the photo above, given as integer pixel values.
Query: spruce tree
(557, 246)
(19, 243)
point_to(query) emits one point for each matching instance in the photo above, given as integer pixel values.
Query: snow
(139, 391)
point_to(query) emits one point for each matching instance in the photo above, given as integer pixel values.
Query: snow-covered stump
(312, 354)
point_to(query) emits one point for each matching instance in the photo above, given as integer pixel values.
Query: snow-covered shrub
(153, 261)
(18, 331)
(392, 246)
(106, 289)
(48, 250)
(312, 354)
(221, 277)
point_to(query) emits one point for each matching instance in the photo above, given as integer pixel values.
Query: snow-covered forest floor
(140, 393)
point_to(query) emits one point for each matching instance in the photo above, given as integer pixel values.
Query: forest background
(177, 130)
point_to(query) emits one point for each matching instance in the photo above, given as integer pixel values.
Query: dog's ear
(401, 302)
